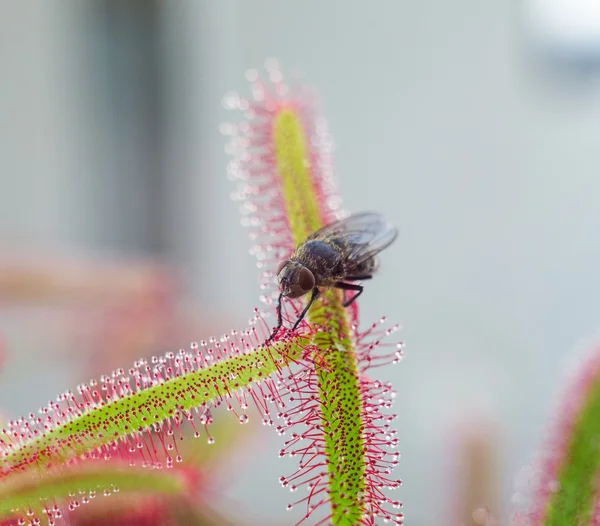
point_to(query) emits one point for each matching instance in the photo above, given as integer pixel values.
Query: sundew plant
(120, 450)
(315, 385)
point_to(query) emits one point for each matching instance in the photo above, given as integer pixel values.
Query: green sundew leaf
(35, 489)
(136, 412)
(338, 383)
(573, 502)
(341, 418)
(294, 171)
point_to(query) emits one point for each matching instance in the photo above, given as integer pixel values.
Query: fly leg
(313, 297)
(349, 286)
(353, 278)
(279, 318)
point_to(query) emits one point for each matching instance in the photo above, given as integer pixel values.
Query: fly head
(294, 279)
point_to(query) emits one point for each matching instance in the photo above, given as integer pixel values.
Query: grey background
(445, 117)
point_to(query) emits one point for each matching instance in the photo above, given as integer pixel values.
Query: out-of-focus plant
(113, 310)
(315, 380)
(474, 475)
(562, 486)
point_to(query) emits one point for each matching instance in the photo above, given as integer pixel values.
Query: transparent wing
(362, 235)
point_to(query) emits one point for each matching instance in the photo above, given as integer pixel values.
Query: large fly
(338, 255)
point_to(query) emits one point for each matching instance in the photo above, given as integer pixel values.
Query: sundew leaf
(281, 156)
(144, 408)
(37, 492)
(339, 388)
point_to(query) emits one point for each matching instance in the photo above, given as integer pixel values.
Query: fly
(338, 255)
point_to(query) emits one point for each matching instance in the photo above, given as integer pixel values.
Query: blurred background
(474, 126)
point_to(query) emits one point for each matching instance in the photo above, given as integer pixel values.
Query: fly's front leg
(279, 318)
(313, 297)
(349, 286)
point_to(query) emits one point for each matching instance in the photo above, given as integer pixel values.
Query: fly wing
(362, 235)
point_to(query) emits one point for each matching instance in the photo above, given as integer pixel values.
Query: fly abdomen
(369, 266)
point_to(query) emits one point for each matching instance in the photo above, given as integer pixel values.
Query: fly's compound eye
(281, 265)
(306, 279)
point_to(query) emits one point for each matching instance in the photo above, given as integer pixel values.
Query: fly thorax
(321, 256)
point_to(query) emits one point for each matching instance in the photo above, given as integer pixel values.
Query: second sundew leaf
(338, 384)
(36, 490)
(335, 416)
(175, 389)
